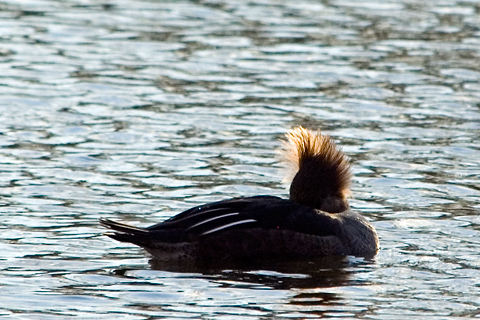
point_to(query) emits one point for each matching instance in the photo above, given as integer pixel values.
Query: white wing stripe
(229, 225)
(212, 219)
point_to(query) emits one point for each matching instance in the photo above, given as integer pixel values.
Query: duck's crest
(320, 169)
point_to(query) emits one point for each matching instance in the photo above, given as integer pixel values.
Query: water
(137, 110)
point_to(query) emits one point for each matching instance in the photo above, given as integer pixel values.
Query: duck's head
(322, 172)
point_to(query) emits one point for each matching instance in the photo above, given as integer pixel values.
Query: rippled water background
(136, 110)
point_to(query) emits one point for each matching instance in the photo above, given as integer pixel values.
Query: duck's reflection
(323, 272)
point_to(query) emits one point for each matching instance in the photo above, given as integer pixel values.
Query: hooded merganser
(316, 221)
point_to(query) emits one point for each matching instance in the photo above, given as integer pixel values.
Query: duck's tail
(162, 244)
(123, 232)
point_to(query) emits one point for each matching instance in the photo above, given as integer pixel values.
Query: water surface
(137, 110)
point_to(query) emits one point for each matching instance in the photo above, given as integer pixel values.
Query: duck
(315, 221)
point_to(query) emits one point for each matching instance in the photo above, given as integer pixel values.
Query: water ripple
(137, 110)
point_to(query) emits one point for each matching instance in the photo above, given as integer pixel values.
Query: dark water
(136, 110)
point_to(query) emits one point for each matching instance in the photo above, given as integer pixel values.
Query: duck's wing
(190, 224)
(264, 212)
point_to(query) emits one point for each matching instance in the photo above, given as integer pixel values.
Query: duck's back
(262, 227)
